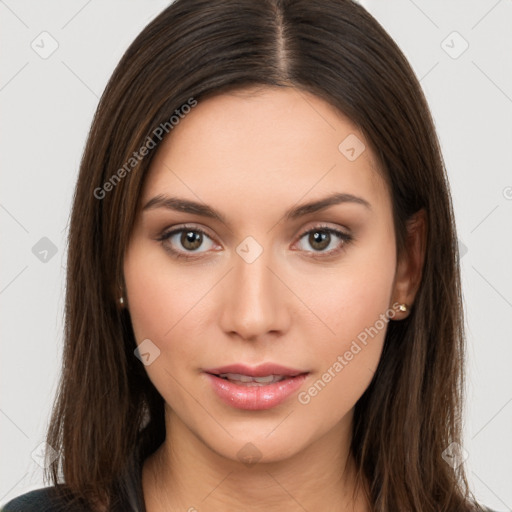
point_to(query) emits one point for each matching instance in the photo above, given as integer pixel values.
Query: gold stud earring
(402, 307)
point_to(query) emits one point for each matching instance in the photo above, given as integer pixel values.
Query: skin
(251, 155)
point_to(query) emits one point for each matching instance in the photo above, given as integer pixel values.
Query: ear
(409, 268)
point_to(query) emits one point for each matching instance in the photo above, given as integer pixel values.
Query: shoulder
(126, 497)
(46, 499)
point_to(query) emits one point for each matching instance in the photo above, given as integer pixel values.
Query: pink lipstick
(255, 388)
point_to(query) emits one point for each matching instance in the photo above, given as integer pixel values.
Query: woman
(263, 307)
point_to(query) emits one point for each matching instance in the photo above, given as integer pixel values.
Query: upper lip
(261, 370)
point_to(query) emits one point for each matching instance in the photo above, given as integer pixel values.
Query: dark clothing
(130, 496)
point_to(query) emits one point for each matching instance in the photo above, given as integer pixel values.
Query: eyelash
(345, 239)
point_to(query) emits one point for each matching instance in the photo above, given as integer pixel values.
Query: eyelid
(184, 227)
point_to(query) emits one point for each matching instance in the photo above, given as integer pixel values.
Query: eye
(321, 238)
(189, 239)
(192, 238)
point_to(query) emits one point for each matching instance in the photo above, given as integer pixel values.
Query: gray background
(47, 107)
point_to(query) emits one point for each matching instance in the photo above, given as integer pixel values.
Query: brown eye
(191, 240)
(185, 241)
(319, 240)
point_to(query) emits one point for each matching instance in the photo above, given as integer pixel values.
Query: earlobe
(120, 297)
(410, 263)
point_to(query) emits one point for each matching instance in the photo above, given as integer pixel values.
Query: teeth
(237, 377)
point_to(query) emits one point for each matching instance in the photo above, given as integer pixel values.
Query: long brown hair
(106, 405)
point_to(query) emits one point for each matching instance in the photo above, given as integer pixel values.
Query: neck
(185, 474)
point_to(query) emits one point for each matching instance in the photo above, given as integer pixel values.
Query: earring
(402, 307)
(121, 300)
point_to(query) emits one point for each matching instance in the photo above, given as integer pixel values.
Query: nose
(254, 302)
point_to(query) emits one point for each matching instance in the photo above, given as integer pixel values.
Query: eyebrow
(193, 207)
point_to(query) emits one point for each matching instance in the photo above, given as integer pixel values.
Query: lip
(259, 397)
(256, 371)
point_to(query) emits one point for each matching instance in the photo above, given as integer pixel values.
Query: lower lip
(255, 397)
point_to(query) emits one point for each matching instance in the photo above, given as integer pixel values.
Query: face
(263, 281)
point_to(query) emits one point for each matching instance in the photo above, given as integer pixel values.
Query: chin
(258, 445)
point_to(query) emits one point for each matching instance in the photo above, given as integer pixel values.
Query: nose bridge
(253, 304)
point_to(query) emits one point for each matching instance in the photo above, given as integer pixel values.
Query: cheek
(158, 299)
(167, 307)
(163, 308)
(352, 303)
(351, 296)
(346, 361)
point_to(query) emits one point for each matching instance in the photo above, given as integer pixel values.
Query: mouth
(255, 388)
(247, 380)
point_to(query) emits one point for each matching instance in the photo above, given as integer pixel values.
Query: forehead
(264, 145)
